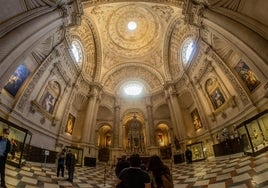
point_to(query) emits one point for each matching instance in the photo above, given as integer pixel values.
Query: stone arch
(152, 77)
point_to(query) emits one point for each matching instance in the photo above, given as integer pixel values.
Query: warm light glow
(132, 25)
(133, 89)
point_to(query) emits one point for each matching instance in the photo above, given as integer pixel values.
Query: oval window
(76, 49)
(187, 50)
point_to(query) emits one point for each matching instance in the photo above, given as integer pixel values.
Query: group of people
(131, 173)
(69, 161)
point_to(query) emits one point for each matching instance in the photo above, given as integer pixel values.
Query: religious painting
(16, 80)
(196, 119)
(247, 75)
(48, 102)
(70, 124)
(217, 98)
(108, 141)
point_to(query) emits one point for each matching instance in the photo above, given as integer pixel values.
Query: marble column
(88, 129)
(177, 117)
(152, 135)
(116, 127)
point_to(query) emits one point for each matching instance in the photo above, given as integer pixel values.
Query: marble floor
(234, 171)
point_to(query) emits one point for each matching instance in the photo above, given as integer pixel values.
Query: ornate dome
(137, 41)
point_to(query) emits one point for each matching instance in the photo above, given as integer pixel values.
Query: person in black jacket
(4, 150)
(188, 155)
(70, 165)
(159, 172)
(133, 176)
(123, 163)
(60, 168)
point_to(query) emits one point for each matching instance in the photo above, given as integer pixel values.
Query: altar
(134, 137)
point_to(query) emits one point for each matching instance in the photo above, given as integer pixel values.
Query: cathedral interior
(109, 77)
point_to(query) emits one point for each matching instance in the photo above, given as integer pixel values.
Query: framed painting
(196, 119)
(70, 124)
(247, 75)
(217, 98)
(48, 102)
(16, 80)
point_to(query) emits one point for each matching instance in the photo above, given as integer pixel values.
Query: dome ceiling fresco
(143, 45)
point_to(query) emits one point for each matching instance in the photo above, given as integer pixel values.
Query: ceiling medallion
(141, 37)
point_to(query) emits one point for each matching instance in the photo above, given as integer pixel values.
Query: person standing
(13, 148)
(4, 150)
(134, 176)
(60, 168)
(70, 165)
(122, 164)
(188, 155)
(160, 173)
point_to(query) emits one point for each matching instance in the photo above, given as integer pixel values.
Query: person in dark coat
(70, 165)
(133, 176)
(123, 163)
(158, 170)
(4, 150)
(188, 155)
(60, 168)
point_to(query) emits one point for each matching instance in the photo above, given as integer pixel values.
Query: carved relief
(109, 60)
(118, 37)
(156, 59)
(229, 4)
(32, 4)
(101, 13)
(42, 50)
(221, 47)
(192, 12)
(132, 72)
(80, 101)
(164, 12)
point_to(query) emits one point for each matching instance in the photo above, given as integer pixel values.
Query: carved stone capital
(72, 12)
(193, 13)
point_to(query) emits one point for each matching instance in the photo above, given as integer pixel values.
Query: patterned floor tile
(236, 171)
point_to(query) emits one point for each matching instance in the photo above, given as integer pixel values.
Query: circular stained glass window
(76, 49)
(187, 50)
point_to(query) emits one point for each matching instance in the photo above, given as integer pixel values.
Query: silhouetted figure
(121, 164)
(134, 176)
(60, 168)
(160, 173)
(188, 155)
(70, 165)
